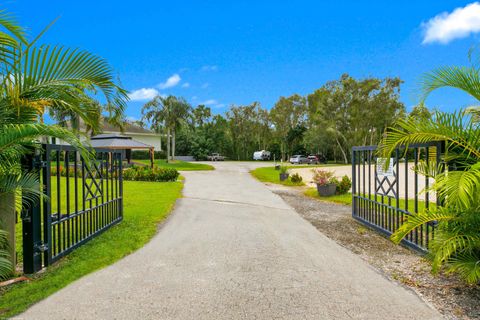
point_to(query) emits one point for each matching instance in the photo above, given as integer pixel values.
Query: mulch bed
(452, 297)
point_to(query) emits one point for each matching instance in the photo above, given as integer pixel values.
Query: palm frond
(6, 266)
(18, 134)
(467, 265)
(8, 21)
(416, 220)
(466, 79)
(448, 244)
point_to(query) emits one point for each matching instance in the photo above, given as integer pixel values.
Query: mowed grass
(269, 174)
(146, 204)
(178, 164)
(346, 199)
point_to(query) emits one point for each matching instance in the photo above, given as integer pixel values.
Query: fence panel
(382, 197)
(83, 199)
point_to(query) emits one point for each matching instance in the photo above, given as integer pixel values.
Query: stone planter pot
(326, 190)
(284, 176)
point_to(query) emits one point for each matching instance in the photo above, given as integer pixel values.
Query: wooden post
(152, 157)
(8, 221)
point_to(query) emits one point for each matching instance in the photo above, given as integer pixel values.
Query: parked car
(261, 155)
(298, 159)
(215, 157)
(313, 160)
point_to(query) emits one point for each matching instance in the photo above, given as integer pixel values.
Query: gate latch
(41, 247)
(39, 163)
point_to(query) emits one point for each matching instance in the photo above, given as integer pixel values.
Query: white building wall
(152, 140)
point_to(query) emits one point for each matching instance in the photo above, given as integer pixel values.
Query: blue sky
(226, 52)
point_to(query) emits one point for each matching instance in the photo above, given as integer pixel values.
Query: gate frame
(37, 230)
(356, 194)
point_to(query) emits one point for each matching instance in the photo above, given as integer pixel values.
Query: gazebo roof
(117, 141)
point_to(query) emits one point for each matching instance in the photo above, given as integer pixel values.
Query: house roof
(117, 141)
(128, 127)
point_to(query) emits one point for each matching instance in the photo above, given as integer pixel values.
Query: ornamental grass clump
(296, 178)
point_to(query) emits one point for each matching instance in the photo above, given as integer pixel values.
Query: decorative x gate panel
(386, 177)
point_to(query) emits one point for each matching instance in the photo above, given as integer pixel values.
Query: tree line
(329, 121)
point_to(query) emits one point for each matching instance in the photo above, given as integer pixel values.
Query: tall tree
(181, 112)
(287, 114)
(169, 112)
(349, 109)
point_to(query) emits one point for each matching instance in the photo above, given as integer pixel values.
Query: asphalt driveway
(232, 249)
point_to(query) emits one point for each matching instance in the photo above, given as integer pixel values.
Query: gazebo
(121, 142)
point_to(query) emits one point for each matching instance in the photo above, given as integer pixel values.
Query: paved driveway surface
(234, 250)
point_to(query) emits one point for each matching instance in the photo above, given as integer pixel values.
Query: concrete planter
(284, 176)
(326, 190)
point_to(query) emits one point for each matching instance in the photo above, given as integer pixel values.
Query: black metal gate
(83, 198)
(383, 197)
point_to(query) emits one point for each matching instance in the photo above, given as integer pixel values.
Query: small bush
(344, 185)
(296, 178)
(147, 174)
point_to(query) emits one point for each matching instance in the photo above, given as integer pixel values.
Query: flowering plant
(323, 177)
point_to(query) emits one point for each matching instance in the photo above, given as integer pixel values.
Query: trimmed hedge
(147, 174)
(145, 155)
(134, 173)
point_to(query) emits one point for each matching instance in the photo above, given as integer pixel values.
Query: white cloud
(209, 68)
(186, 85)
(143, 94)
(205, 85)
(171, 82)
(212, 103)
(446, 27)
(209, 102)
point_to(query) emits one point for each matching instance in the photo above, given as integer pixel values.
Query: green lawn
(346, 199)
(269, 174)
(178, 164)
(145, 205)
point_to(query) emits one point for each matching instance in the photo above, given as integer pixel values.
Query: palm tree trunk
(160, 135)
(173, 144)
(168, 144)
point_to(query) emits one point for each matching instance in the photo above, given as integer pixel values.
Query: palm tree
(169, 112)
(34, 80)
(181, 112)
(457, 179)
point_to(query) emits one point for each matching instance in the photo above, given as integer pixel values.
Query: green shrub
(145, 155)
(283, 169)
(344, 185)
(147, 174)
(296, 178)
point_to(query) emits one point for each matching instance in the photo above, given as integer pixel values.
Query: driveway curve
(234, 250)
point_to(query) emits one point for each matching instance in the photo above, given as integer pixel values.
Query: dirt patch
(453, 298)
